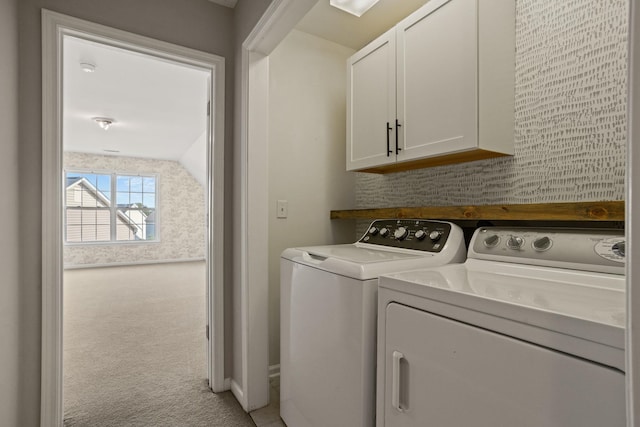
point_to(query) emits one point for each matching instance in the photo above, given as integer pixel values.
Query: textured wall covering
(181, 209)
(570, 118)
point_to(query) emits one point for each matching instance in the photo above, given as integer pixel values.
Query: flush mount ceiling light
(354, 7)
(103, 122)
(87, 67)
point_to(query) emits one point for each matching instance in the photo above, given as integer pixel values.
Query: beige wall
(14, 403)
(307, 110)
(197, 24)
(181, 214)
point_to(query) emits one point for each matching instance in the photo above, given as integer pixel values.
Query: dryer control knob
(515, 242)
(420, 234)
(541, 244)
(373, 231)
(435, 235)
(491, 241)
(384, 231)
(400, 233)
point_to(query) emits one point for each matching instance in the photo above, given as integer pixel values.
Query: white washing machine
(528, 332)
(328, 317)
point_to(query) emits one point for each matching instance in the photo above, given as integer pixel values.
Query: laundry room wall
(181, 219)
(307, 107)
(570, 119)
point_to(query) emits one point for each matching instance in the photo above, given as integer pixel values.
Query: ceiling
(159, 106)
(333, 24)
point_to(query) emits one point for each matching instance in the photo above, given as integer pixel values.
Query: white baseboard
(227, 384)
(237, 391)
(274, 371)
(130, 263)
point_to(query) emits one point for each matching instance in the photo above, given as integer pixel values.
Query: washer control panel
(582, 249)
(417, 234)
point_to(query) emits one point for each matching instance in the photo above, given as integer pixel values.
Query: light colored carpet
(134, 349)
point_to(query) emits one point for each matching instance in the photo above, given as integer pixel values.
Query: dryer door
(445, 373)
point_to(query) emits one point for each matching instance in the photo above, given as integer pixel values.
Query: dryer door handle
(395, 378)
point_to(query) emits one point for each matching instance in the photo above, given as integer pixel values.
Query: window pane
(149, 184)
(104, 183)
(135, 198)
(122, 183)
(135, 183)
(149, 200)
(122, 199)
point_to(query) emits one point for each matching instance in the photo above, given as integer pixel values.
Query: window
(91, 215)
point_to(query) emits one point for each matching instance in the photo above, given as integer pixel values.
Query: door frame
(275, 24)
(54, 27)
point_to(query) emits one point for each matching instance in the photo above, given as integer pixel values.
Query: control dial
(541, 244)
(373, 231)
(491, 241)
(515, 242)
(435, 235)
(384, 231)
(400, 233)
(618, 248)
(420, 234)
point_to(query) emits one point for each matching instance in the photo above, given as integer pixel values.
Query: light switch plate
(282, 209)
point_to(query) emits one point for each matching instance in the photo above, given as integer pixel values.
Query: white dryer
(528, 332)
(328, 317)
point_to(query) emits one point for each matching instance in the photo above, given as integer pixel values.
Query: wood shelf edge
(571, 211)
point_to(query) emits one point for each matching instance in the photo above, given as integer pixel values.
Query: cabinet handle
(395, 386)
(398, 149)
(389, 128)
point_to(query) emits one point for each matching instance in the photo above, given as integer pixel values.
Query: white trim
(632, 225)
(274, 371)
(54, 27)
(131, 263)
(279, 19)
(236, 389)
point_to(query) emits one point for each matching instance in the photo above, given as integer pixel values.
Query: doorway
(115, 229)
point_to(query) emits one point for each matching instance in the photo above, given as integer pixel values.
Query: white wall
(181, 214)
(195, 159)
(12, 323)
(307, 110)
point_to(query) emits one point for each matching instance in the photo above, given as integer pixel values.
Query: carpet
(134, 349)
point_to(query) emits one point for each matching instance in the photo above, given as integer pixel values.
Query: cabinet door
(439, 372)
(371, 105)
(437, 79)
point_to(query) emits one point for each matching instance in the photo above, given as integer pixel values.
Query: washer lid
(586, 305)
(361, 254)
(363, 263)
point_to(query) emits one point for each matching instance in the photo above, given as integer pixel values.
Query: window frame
(113, 208)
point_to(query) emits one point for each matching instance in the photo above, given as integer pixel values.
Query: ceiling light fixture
(88, 67)
(354, 7)
(104, 122)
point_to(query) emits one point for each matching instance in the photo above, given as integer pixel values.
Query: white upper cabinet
(371, 104)
(449, 96)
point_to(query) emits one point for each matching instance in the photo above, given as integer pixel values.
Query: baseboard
(129, 263)
(227, 384)
(237, 391)
(274, 371)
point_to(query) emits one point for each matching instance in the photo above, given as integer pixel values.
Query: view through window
(92, 216)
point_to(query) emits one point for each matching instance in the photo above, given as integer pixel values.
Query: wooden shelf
(577, 211)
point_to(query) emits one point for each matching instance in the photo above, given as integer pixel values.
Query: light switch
(282, 208)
